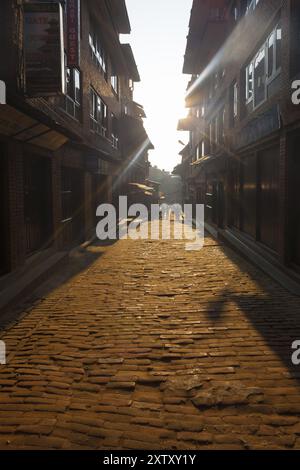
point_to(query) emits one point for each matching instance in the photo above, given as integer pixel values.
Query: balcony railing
(115, 141)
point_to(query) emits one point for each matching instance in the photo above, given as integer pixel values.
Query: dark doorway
(4, 236)
(211, 201)
(72, 197)
(269, 197)
(249, 195)
(37, 203)
(99, 195)
(234, 203)
(294, 206)
(220, 204)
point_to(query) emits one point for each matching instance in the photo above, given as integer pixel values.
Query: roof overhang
(130, 62)
(206, 33)
(133, 134)
(120, 16)
(189, 123)
(185, 151)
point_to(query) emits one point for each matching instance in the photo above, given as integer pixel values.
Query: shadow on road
(273, 311)
(80, 259)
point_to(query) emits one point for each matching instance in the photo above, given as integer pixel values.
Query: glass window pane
(271, 44)
(278, 46)
(77, 86)
(259, 76)
(249, 82)
(69, 82)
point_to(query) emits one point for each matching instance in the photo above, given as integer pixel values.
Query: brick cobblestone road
(152, 346)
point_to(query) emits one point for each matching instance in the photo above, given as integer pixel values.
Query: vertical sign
(44, 49)
(73, 29)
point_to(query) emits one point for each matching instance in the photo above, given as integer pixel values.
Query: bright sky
(158, 39)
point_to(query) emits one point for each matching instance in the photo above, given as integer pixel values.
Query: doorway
(72, 199)
(37, 203)
(294, 205)
(99, 193)
(269, 197)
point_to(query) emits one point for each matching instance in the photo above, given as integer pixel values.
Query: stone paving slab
(152, 346)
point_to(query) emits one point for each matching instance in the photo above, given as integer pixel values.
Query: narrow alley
(152, 346)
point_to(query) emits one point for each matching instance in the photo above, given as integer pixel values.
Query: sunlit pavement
(152, 346)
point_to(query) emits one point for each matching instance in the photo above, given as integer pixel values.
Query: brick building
(71, 136)
(241, 160)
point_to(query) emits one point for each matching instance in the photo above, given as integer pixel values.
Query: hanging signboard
(73, 29)
(44, 49)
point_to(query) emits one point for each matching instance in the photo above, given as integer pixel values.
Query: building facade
(242, 157)
(71, 135)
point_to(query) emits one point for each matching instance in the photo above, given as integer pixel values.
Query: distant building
(170, 185)
(71, 135)
(242, 158)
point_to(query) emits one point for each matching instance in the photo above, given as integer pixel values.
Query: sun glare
(164, 105)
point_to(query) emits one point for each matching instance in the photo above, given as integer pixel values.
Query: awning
(154, 184)
(24, 128)
(142, 187)
(203, 161)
